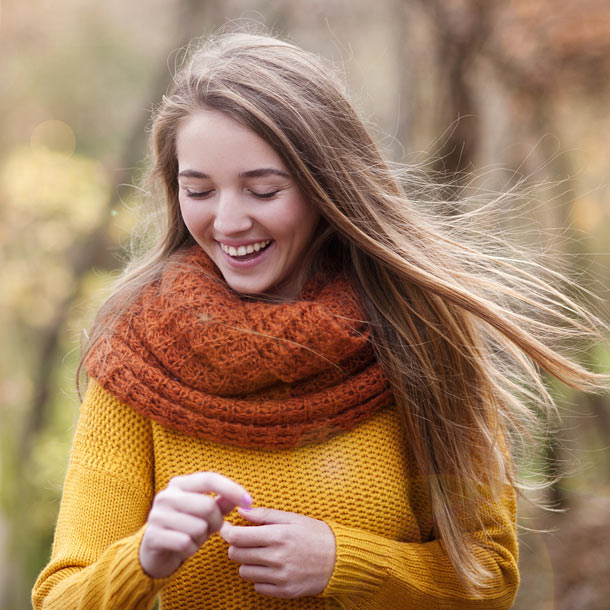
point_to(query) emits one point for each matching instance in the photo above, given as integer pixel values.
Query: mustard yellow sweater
(362, 483)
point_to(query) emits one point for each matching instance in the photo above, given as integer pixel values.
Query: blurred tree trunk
(461, 30)
(600, 408)
(403, 16)
(194, 17)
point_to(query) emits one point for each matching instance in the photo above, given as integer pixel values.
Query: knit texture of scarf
(196, 357)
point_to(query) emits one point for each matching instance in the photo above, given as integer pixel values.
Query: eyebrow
(252, 173)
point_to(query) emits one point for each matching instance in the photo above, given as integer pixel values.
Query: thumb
(267, 516)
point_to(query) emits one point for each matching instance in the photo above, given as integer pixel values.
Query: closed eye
(207, 193)
(268, 195)
(196, 194)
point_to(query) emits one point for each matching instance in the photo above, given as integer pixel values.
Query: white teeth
(243, 250)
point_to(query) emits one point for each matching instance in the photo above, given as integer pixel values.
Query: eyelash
(204, 194)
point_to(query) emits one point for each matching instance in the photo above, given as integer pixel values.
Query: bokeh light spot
(54, 135)
(587, 214)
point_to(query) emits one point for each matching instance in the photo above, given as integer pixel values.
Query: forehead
(212, 138)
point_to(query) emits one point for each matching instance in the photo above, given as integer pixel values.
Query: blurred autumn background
(521, 85)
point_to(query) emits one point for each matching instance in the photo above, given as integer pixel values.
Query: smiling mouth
(245, 253)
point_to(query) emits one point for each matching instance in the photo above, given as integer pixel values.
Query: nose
(231, 216)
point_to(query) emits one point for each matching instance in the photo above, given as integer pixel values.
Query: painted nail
(246, 500)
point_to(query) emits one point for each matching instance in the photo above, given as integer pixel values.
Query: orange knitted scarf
(198, 358)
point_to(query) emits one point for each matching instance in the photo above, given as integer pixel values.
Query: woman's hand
(183, 516)
(287, 555)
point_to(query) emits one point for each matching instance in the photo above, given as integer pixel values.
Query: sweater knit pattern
(198, 358)
(363, 483)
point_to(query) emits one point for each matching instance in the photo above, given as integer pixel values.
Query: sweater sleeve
(372, 572)
(106, 498)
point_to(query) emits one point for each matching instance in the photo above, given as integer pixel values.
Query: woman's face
(241, 205)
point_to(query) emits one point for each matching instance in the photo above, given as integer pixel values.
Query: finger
(207, 482)
(172, 503)
(215, 520)
(225, 506)
(192, 503)
(163, 541)
(260, 574)
(198, 529)
(263, 515)
(259, 556)
(248, 536)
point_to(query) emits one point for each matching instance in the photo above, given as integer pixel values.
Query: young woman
(305, 345)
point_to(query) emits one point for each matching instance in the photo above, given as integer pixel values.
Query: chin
(247, 289)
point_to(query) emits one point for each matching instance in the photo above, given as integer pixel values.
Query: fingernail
(246, 500)
(248, 508)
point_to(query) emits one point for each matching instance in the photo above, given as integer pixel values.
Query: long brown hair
(462, 332)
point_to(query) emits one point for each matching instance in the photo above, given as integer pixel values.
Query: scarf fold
(196, 357)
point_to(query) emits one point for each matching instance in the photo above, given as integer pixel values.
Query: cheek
(194, 217)
(300, 218)
(183, 210)
(307, 223)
